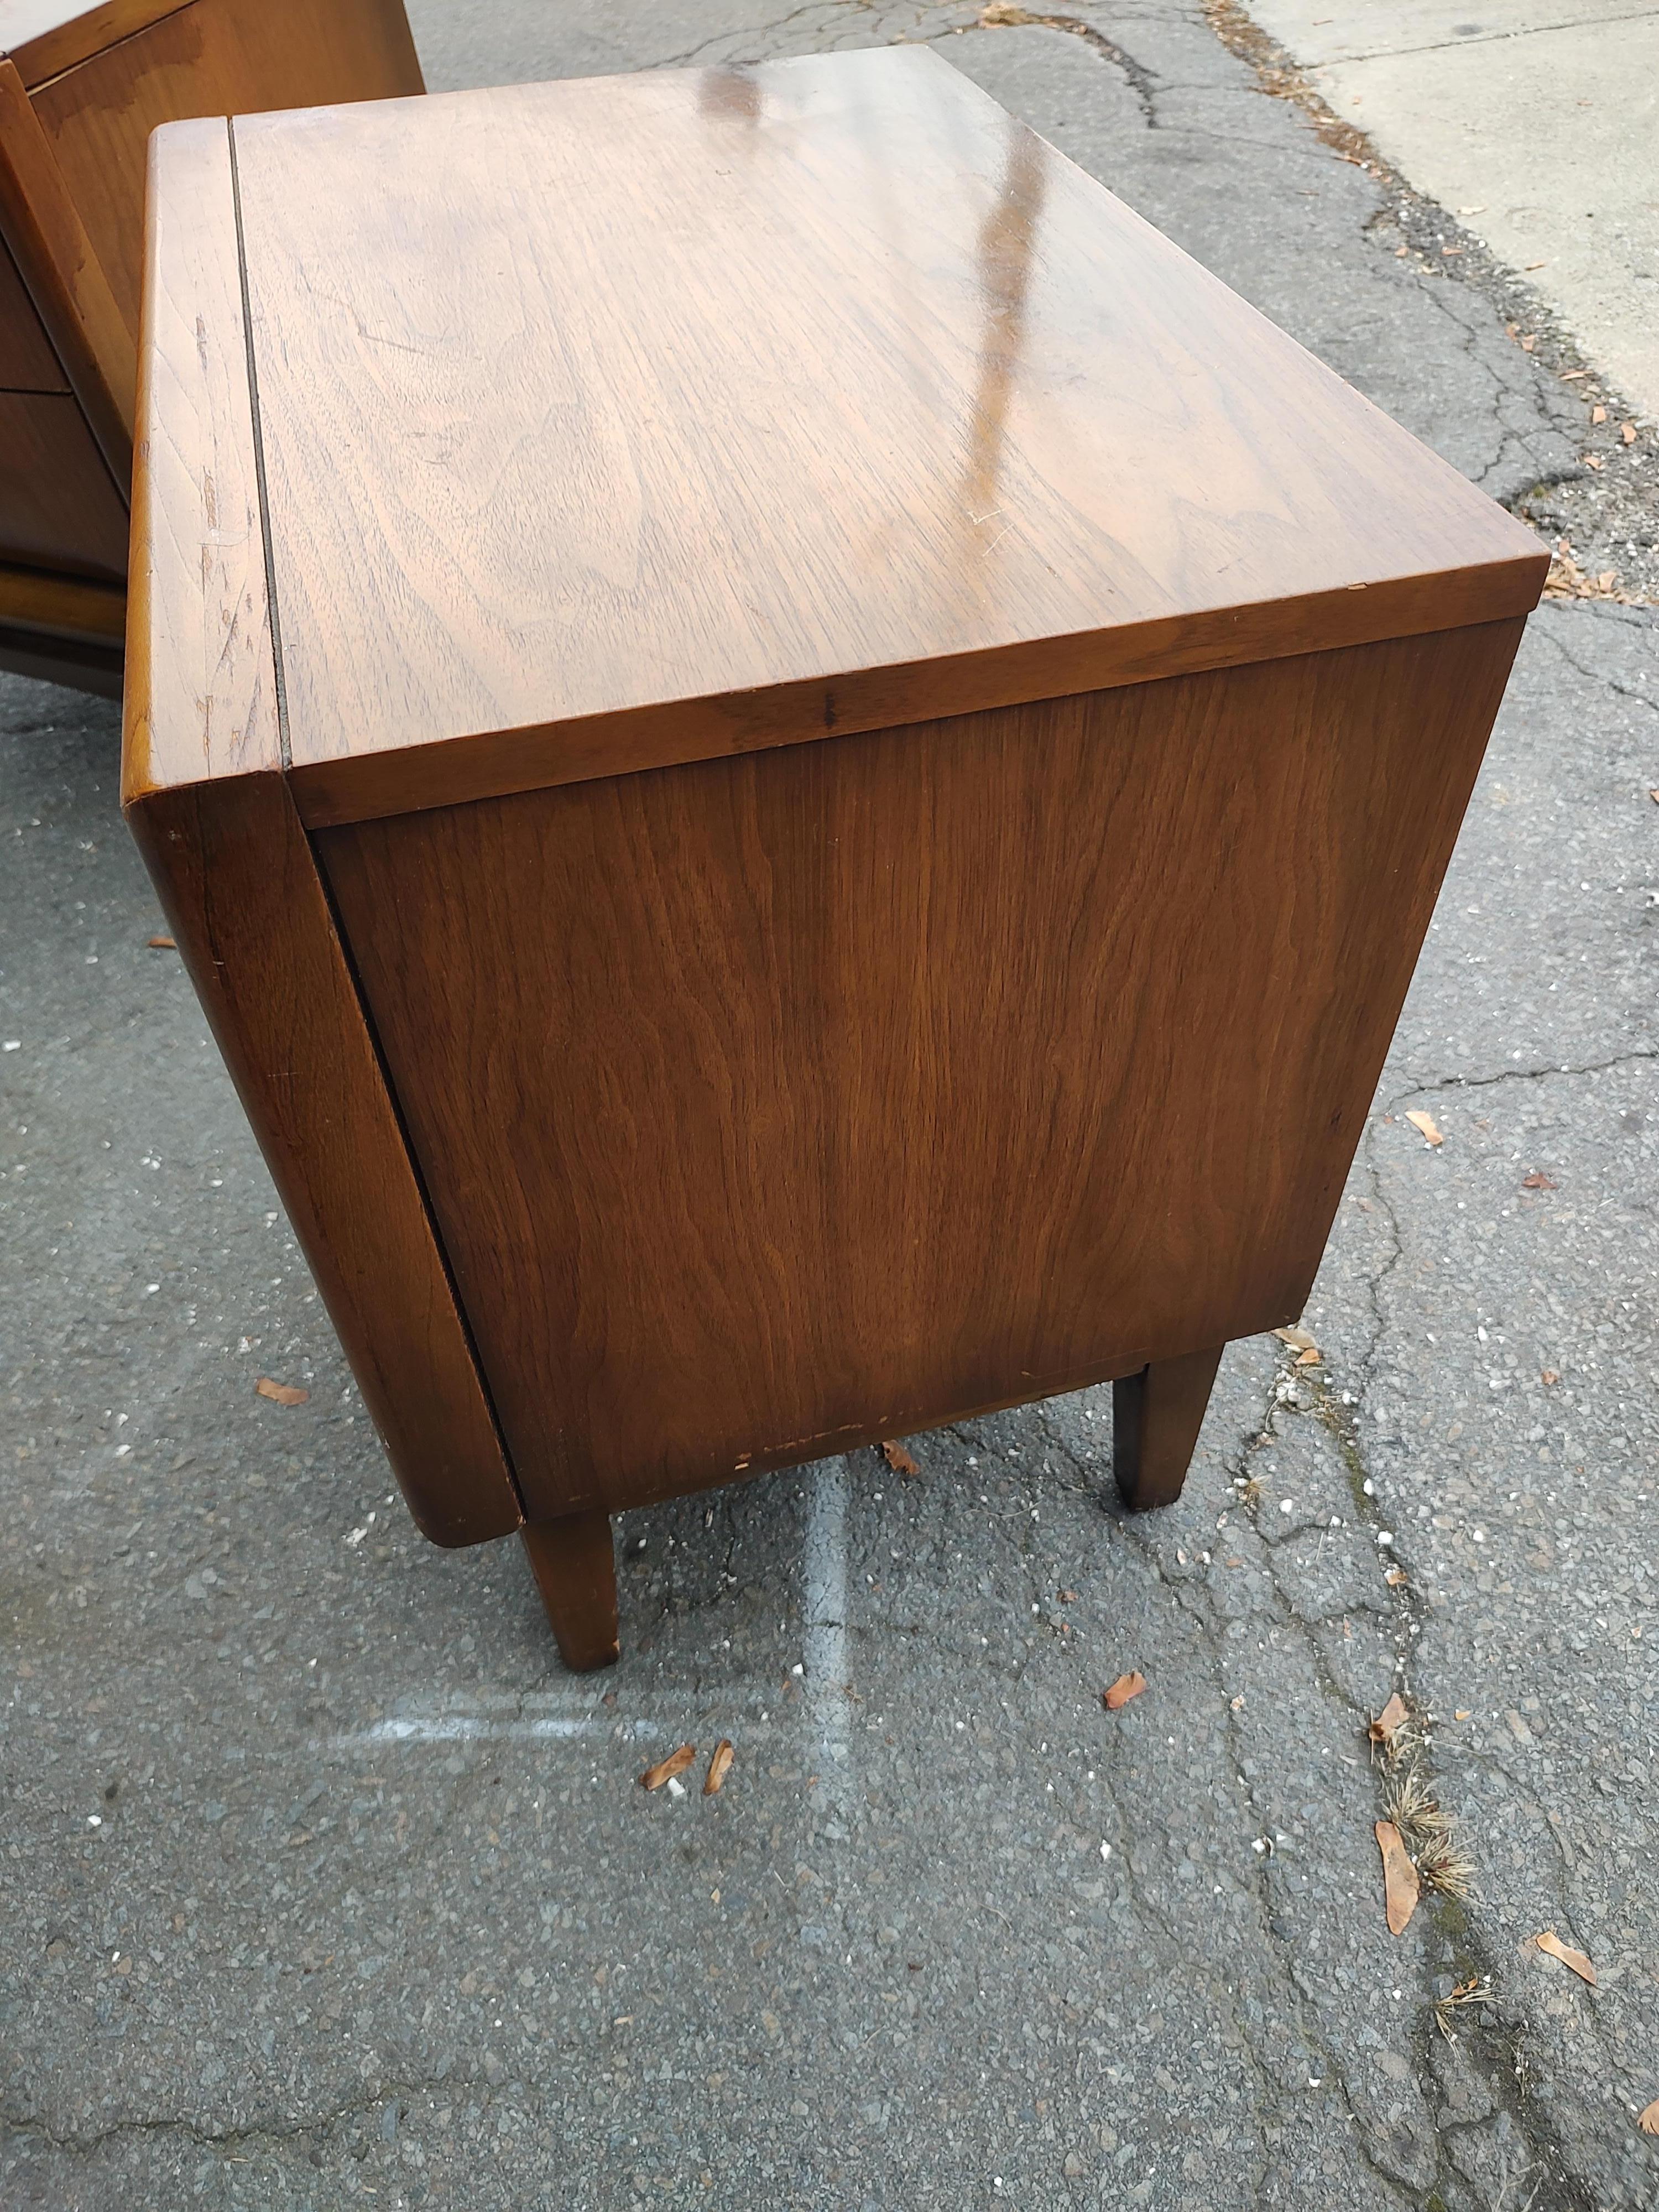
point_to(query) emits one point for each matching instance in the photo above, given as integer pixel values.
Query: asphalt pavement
(322, 1882)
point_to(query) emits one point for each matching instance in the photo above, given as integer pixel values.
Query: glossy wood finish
(238, 883)
(575, 1562)
(80, 93)
(883, 409)
(864, 759)
(44, 231)
(215, 57)
(1157, 1415)
(58, 504)
(42, 38)
(762, 1102)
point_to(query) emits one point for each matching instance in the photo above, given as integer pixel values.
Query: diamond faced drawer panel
(58, 504)
(27, 362)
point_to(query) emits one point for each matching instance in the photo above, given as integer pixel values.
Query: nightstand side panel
(768, 1104)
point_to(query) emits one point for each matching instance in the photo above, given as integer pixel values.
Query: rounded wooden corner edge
(483, 1522)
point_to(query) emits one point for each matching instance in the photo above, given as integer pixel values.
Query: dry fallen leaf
(1593, 461)
(1538, 1180)
(1464, 1713)
(1648, 2121)
(281, 1394)
(1066, 1598)
(666, 1769)
(899, 1460)
(1297, 1339)
(1393, 1714)
(1427, 1124)
(162, 944)
(1627, 432)
(1528, 343)
(1394, 1577)
(1548, 1376)
(1598, 414)
(1567, 581)
(719, 1767)
(1654, 795)
(1125, 1686)
(1550, 1941)
(1399, 1877)
(1308, 1358)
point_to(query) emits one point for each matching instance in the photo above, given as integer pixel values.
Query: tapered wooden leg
(1155, 1419)
(575, 1564)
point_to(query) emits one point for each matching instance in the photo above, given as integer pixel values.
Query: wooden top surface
(622, 421)
(44, 37)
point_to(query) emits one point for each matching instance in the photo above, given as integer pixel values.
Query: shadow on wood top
(616, 422)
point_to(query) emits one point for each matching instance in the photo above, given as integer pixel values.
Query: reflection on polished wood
(879, 408)
(865, 755)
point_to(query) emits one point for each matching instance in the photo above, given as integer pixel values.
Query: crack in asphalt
(85, 2145)
(1547, 630)
(1495, 2040)
(1141, 81)
(1602, 502)
(1498, 2042)
(1516, 1075)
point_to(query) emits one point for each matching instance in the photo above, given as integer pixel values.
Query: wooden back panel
(770, 1104)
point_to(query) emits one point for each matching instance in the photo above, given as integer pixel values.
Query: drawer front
(27, 362)
(58, 504)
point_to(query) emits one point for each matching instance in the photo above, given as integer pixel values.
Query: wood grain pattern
(44, 37)
(58, 504)
(213, 58)
(768, 1104)
(69, 605)
(47, 238)
(238, 883)
(822, 396)
(27, 362)
(201, 689)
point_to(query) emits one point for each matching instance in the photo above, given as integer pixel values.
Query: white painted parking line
(824, 1573)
